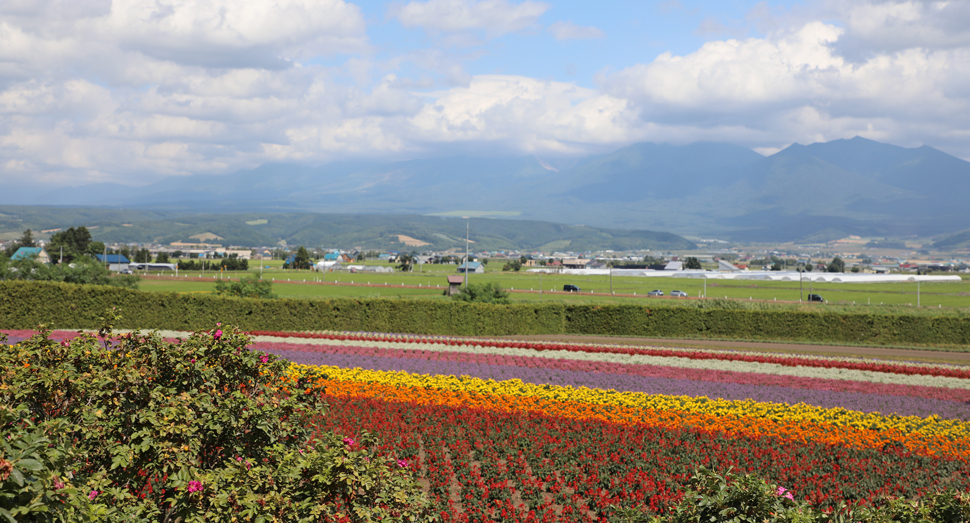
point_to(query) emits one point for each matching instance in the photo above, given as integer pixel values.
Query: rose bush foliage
(134, 428)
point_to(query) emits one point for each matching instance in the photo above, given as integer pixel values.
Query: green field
(946, 295)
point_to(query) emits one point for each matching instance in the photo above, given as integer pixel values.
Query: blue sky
(136, 90)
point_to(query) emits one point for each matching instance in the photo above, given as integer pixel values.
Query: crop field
(537, 431)
(946, 295)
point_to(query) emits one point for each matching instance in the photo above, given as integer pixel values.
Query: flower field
(566, 432)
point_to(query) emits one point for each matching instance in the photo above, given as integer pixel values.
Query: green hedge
(26, 304)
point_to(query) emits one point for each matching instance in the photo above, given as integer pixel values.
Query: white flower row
(434, 342)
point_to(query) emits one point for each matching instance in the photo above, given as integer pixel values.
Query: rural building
(575, 263)
(116, 262)
(369, 268)
(24, 253)
(454, 284)
(473, 267)
(327, 265)
(152, 266)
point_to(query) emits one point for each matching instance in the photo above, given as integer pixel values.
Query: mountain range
(814, 192)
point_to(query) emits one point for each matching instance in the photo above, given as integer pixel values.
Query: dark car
(657, 292)
(570, 288)
(815, 297)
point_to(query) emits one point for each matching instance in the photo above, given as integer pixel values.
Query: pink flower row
(653, 371)
(787, 361)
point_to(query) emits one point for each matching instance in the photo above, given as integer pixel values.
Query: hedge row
(26, 304)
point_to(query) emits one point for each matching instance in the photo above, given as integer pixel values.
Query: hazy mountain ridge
(371, 231)
(842, 187)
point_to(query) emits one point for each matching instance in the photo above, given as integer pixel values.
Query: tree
(302, 259)
(808, 267)
(514, 265)
(836, 265)
(75, 242)
(162, 257)
(26, 240)
(142, 256)
(486, 293)
(177, 254)
(406, 262)
(692, 263)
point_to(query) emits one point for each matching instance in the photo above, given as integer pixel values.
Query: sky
(132, 91)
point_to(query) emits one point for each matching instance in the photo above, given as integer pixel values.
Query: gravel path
(929, 355)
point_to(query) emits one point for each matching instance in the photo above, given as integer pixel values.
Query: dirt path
(933, 356)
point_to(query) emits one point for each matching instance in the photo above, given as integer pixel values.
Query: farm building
(472, 267)
(116, 262)
(29, 252)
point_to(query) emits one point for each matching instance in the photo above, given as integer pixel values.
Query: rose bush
(135, 428)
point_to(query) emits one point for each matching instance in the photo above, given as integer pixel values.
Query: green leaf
(30, 464)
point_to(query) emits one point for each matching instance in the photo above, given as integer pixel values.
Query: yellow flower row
(928, 427)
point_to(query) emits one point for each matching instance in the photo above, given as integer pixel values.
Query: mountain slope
(854, 186)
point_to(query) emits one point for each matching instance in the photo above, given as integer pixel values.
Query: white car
(681, 294)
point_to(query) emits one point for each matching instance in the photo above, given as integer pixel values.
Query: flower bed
(548, 432)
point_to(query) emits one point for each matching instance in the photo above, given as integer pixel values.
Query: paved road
(790, 348)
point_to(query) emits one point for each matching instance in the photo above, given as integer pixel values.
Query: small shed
(454, 284)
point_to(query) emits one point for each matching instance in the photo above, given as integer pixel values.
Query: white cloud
(795, 85)
(100, 90)
(888, 26)
(571, 31)
(496, 17)
(526, 115)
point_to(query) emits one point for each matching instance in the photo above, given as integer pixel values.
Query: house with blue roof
(472, 267)
(116, 262)
(26, 253)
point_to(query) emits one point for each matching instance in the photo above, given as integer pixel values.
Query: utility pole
(466, 254)
(800, 292)
(611, 277)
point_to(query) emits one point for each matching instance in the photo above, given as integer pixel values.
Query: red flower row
(787, 361)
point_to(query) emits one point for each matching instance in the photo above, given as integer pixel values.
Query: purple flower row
(880, 403)
(653, 371)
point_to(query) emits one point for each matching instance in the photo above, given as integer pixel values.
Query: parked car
(126, 271)
(680, 294)
(657, 292)
(570, 288)
(815, 297)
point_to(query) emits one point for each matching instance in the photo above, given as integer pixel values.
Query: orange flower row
(794, 431)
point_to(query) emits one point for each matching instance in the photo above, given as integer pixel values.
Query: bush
(25, 304)
(251, 287)
(135, 428)
(84, 270)
(487, 293)
(737, 498)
